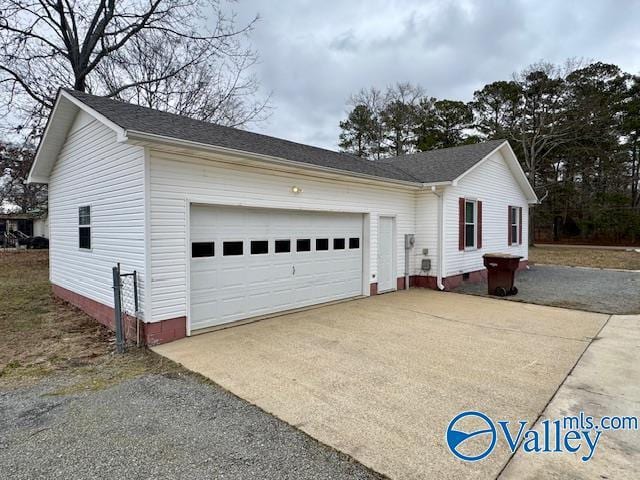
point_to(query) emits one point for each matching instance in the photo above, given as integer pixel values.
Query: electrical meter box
(409, 240)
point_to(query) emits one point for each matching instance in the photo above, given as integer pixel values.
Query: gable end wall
(94, 169)
(494, 184)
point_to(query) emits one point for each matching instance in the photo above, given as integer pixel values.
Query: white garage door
(247, 262)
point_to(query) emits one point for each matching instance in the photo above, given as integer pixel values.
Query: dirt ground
(71, 408)
(43, 335)
(585, 257)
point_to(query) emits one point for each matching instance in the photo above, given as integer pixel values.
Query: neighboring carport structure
(380, 378)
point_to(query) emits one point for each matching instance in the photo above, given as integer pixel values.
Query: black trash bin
(501, 271)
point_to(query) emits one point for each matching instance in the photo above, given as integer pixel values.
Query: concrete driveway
(380, 378)
(598, 385)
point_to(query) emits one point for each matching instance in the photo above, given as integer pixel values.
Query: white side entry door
(386, 277)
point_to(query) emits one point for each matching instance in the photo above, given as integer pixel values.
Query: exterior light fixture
(295, 189)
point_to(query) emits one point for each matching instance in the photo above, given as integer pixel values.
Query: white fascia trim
(134, 134)
(120, 132)
(430, 185)
(31, 178)
(531, 197)
(529, 192)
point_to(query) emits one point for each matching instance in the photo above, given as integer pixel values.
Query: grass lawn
(42, 335)
(585, 257)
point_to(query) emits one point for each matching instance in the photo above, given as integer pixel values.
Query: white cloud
(315, 54)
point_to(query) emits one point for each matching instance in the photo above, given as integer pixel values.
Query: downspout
(440, 255)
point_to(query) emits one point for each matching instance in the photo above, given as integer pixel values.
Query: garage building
(224, 225)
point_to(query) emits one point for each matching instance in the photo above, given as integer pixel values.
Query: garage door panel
(227, 288)
(231, 279)
(202, 280)
(260, 274)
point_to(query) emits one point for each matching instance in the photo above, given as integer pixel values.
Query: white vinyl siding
(492, 183)
(94, 170)
(175, 179)
(426, 233)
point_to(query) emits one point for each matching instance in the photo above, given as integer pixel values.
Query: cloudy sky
(315, 54)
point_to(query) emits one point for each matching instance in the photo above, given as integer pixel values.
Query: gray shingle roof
(444, 164)
(426, 167)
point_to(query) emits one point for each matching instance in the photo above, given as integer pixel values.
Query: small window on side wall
(470, 224)
(202, 249)
(515, 225)
(84, 227)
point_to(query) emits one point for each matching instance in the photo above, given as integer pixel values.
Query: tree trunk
(635, 175)
(532, 210)
(532, 180)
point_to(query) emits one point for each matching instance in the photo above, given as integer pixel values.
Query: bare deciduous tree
(15, 193)
(543, 125)
(399, 116)
(164, 53)
(375, 101)
(392, 113)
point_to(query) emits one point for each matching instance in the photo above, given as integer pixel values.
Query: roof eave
(31, 178)
(45, 151)
(532, 197)
(442, 183)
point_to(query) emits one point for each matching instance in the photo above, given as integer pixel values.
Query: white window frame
(474, 223)
(85, 225)
(515, 212)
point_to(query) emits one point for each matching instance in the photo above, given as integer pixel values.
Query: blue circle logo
(471, 436)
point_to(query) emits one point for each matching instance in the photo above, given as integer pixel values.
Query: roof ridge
(466, 145)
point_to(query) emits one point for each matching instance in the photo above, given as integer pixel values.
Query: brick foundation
(150, 333)
(165, 331)
(454, 281)
(420, 281)
(175, 328)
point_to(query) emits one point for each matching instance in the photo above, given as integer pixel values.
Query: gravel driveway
(155, 427)
(591, 289)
